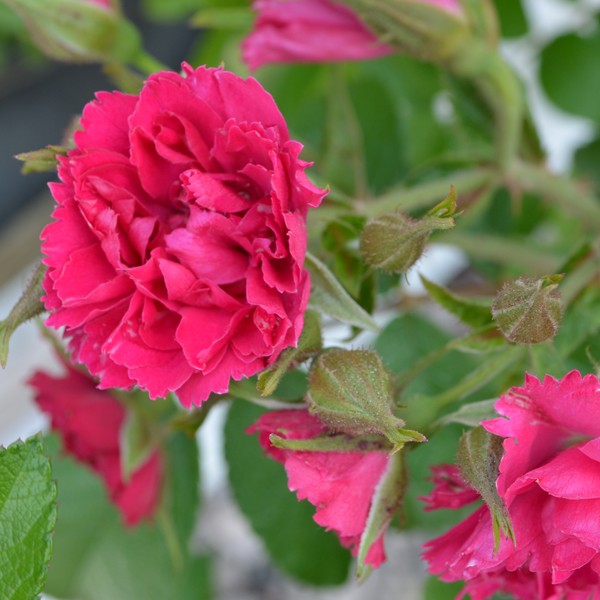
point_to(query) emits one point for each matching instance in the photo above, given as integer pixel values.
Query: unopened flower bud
(78, 30)
(350, 391)
(529, 310)
(426, 29)
(394, 242)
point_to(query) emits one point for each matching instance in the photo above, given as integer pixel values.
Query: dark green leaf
(513, 22)
(475, 312)
(27, 517)
(435, 589)
(570, 75)
(97, 558)
(294, 541)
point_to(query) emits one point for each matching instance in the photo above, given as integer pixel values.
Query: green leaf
(587, 159)
(435, 589)
(328, 296)
(27, 307)
(570, 75)
(309, 344)
(513, 22)
(173, 10)
(137, 443)
(41, 161)
(388, 497)
(470, 414)
(27, 517)
(475, 312)
(406, 340)
(97, 558)
(296, 544)
(222, 18)
(479, 454)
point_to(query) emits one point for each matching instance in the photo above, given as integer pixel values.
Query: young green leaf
(27, 307)
(475, 312)
(328, 296)
(479, 454)
(386, 501)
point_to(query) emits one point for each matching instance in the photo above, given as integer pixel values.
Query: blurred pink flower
(308, 31)
(341, 485)
(549, 481)
(175, 259)
(89, 422)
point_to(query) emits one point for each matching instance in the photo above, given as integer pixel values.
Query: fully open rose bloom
(175, 261)
(549, 481)
(89, 422)
(341, 485)
(314, 31)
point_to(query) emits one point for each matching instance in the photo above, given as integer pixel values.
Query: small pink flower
(89, 421)
(549, 481)
(341, 485)
(308, 31)
(175, 259)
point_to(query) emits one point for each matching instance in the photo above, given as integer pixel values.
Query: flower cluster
(175, 260)
(549, 481)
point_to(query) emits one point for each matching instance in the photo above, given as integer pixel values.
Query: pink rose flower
(549, 480)
(341, 485)
(175, 261)
(308, 31)
(89, 422)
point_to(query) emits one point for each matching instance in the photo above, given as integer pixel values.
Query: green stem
(557, 190)
(172, 539)
(427, 194)
(576, 280)
(147, 64)
(502, 251)
(500, 88)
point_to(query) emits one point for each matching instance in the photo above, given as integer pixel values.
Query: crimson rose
(89, 422)
(175, 261)
(549, 481)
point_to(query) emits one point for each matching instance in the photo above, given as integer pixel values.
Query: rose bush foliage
(549, 480)
(175, 259)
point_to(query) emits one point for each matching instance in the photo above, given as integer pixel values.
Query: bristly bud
(394, 242)
(351, 392)
(529, 310)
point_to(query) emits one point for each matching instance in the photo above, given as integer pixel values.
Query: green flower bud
(394, 242)
(78, 30)
(351, 392)
(529, 310)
